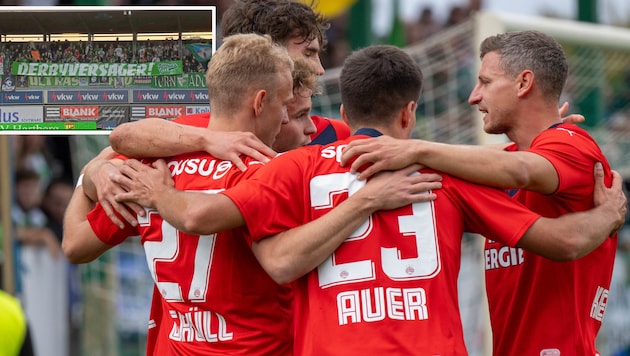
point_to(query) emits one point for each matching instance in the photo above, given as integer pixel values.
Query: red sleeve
(198, 120)
(269, 202)
(105, 230)
(329, 130)
(342, 129)
(488, 211)
(573, 153)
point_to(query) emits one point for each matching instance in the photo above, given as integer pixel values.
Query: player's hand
(570, 119)
(231, 145)
(377, 154)
(393, 189)
(613, 197)
(107, 189)
(98, 186)
(143, 183)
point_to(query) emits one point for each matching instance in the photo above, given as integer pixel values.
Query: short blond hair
(243, 64)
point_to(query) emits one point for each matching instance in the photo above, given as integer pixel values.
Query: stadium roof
(22, 20)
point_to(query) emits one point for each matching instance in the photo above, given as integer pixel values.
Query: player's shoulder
(339, 125)
(328, 130)
(199, 120)
(565, 133)
(567, 129)
(251, 162)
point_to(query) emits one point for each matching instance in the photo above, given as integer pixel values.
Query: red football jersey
(198, 120)
(328, 130)
(542, 307)
(212, 296)
(391, 287)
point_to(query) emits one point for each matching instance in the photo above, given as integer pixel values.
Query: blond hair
(304, 78)
(245, 63)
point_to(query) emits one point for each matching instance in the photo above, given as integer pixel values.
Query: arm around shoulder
(574, 235)
(199, 213)
(154, 137)
(295, 252)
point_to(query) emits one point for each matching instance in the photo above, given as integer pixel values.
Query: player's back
(216, 299)
(392, 286)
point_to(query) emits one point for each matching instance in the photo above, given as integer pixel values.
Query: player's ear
(408, 114)
(344, 116)
(525, 81)
(259, 101)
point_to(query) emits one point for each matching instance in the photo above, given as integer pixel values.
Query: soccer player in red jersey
(290, 23)
(538, 306)
(389, 283)
(201, 303)
(211, 296)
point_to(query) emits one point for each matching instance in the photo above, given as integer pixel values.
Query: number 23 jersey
(392, 285)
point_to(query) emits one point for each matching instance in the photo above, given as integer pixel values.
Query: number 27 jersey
(211, 295)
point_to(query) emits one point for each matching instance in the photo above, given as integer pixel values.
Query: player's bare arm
(388, 153)
(192, 212)
(293, 253)
(79, 243)
(574, 235)
(478, 164)
(154, 137)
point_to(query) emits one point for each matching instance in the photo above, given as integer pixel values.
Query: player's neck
(385, 130)
(526, 130)
(230, 123)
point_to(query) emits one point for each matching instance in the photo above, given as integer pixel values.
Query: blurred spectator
(39, 268)
(338, 46)
(426, 26)
(97, 52)
(35, 54)
(31, 154)
(456, 16)
(459, 14)
(54, 204)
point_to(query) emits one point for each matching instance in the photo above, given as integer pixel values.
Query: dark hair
(55, 182)
(26, 174)
(376, 82)
(531, 50)
(280, 19)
